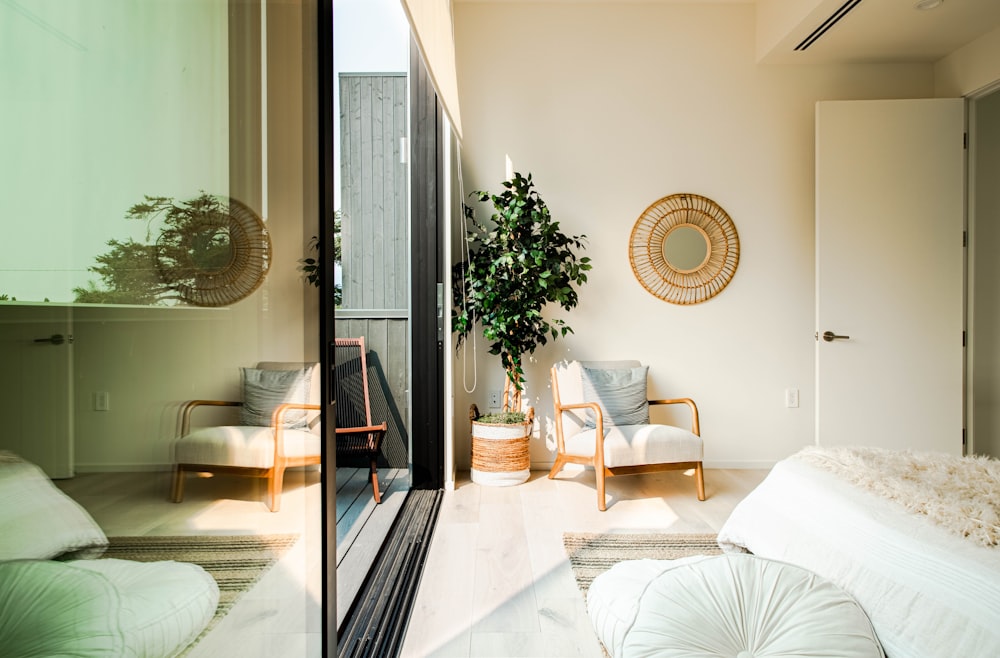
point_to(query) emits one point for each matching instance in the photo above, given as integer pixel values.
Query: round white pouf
(733, 605)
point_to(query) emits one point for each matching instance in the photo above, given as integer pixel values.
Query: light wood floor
(496, 583)
(281, 616)
(497, 580)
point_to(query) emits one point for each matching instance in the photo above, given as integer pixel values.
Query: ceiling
(872, 30)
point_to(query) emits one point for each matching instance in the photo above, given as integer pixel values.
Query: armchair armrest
(695, 425)
(278, 425)
(189, 406)
(598, 422)
(278, 416)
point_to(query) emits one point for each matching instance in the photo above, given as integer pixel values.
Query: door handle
(55, 339)
(829, 337)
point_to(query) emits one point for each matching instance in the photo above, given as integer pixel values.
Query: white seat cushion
(727, 605)
(87, 608)
(631, 445)
(245, 446)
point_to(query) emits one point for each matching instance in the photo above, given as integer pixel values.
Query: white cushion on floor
(727, 605)
(37, 520)
(164, 605)
(630, 445)
(246, 446)
(87, 608)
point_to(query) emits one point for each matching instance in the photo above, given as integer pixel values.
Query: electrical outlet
(791, 398)
(102, 401)
(495, 399)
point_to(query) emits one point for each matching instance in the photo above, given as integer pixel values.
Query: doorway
(984, 272)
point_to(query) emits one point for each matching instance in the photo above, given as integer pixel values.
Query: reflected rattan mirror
(684, 249)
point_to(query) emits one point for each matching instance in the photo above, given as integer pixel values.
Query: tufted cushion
(37, 520)
(629, 445)
(249, 447)
(102, 608)
(164, 605)
(728, 605)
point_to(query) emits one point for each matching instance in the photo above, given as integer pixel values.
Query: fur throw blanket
(961, 494)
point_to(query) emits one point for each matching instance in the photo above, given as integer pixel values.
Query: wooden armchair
(280, 416)
(357, 434)
(602, 420)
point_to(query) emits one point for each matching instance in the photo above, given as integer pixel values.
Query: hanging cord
(466, 257)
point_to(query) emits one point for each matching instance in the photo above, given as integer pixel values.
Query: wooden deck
(362, 526)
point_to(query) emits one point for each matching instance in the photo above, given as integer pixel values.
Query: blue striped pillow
(621, 394)
(264, 390)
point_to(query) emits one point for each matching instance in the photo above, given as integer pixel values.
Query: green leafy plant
(310, 266)
(504, 418)
(514, 269)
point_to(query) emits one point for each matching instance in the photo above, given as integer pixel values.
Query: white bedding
(929, 593)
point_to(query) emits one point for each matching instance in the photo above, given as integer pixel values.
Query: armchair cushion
(635, 445)
(264, 390)
(621, 393)
(247, 447)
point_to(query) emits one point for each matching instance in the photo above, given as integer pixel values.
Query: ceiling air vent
(827, 24)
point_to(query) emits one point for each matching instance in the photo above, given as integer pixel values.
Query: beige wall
(610, 120)
(970, 68)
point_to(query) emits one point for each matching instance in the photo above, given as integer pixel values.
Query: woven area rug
(592, 554)
(236, 562)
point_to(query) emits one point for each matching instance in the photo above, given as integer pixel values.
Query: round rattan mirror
(220, 257)
(684, 249)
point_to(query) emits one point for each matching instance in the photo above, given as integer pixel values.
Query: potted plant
(514, 268)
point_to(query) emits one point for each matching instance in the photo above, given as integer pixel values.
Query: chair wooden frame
(275, 475)
(371, 434)
(597, 459)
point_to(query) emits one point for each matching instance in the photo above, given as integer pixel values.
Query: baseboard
(122, 468)
(148, 468)
(763, 464)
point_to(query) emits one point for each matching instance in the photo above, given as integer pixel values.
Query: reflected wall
(106, 104)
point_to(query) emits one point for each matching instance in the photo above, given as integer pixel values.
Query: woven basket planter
(500, 453)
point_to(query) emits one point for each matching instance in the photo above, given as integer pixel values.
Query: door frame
(970, 261)
(427, 293)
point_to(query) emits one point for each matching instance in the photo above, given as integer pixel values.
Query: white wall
(613, 106)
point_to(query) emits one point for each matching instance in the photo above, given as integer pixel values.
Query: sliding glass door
(121, 121)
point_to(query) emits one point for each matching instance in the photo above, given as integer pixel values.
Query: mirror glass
(686, 248)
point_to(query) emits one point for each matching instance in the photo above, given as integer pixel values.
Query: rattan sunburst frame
(241, 275)
(684, 286)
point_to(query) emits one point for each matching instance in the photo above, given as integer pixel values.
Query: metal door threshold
(377, 621)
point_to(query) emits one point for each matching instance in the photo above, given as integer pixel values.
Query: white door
(889, 273)
(36, 391)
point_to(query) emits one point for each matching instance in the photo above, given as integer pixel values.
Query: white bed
(929, 592)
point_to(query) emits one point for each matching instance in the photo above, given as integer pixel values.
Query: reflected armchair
(279, 429)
